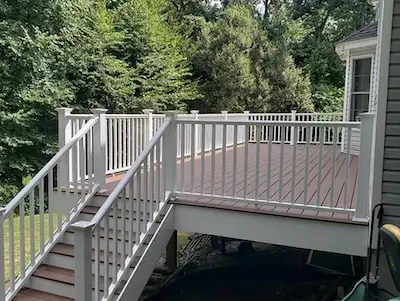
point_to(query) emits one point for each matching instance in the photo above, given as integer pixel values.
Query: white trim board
(359, 44)
(385, 35)
(329, 236)
(148, 261)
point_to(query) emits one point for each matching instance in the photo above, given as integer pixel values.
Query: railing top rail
(79, 116)
(269, 114)
(53, 162)
(339, 124)
(129, 174)
(121, 116)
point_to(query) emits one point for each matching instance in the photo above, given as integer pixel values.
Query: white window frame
(351, 80)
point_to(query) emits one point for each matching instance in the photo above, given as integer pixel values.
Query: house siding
(391, 161)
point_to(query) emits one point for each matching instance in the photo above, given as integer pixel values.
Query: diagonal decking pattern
(315, 172)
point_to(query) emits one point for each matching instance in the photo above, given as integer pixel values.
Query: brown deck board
(193, 181)
(27, 294)
(66, 276)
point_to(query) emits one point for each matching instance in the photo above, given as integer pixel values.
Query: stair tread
(27, 294)
(66, 276)
(92, 210)
(68, 250)
(111, 234)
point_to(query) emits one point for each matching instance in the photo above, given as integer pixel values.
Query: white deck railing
(32, 223)
(279, 171)
(160, 172)
(128, 134)
(138, 200)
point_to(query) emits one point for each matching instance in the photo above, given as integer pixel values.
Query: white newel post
(246, 129)
(64, 135)
(292, 128)
(364, 167)
(170, 153)
(195, 114)
(83, 260)
(149, 131)
(99, 147)
(2, 265)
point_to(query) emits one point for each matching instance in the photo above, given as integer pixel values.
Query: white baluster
(195, 114)
(242, 136)
(293, 119)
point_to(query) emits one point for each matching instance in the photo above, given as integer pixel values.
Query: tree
(241, 65)
(151, 46)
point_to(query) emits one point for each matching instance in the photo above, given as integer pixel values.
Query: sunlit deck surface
(314, 179)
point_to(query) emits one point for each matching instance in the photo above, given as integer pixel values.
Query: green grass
(14, 254)
(183, 239)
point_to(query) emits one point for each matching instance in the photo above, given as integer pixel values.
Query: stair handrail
(142, 193)
(104, 209)
(51, 164)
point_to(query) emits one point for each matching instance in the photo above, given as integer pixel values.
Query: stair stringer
(148, 261)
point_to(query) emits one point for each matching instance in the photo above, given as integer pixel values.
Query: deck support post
(363, 201)
(195, 114)
(171, 260)
(169, 154)
(149, 130)
(99, 147)
(83, 260)
(292, 128)
(64, 135)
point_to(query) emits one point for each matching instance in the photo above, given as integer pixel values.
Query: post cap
(170, 113)
(147, 111)
(194, 111)
(294, 111)
(246, 112)
(64, 110)
(366, 115)
(98, 111)
(82, 225)
(224, 112)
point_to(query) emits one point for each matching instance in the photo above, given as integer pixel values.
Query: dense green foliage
(126, 55)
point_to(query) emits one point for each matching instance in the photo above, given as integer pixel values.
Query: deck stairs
(54, 278)
(107, 246)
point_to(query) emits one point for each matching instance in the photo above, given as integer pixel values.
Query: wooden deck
(307, 179)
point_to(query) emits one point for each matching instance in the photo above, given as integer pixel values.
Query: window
(360, 92)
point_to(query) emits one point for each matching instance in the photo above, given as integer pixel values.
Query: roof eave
(351, 45)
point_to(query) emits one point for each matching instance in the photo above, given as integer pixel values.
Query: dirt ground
(243, 271)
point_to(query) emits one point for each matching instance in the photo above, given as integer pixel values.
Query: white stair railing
(34, 220)
(133, 207)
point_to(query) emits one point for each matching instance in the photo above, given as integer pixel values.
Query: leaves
(127, 55)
